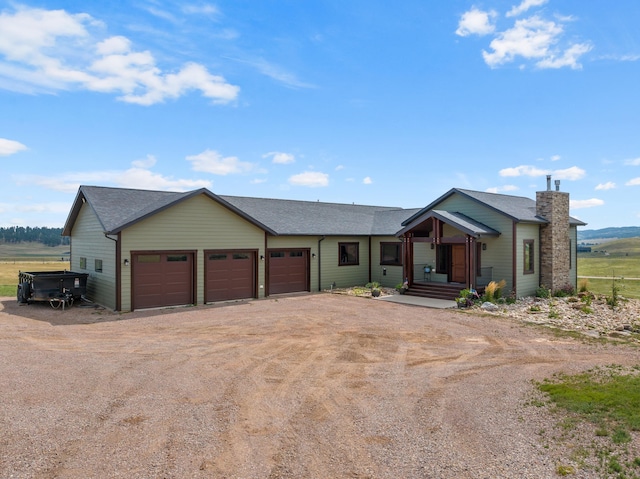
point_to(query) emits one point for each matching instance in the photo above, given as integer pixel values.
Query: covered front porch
(443, 254)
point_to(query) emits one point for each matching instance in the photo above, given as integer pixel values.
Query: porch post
(408, 259)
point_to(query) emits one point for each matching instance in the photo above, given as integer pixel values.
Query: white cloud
(148, 162)
(339, 167)
(50, 50)
(367, 180)
(609, 185)
(632, 162)
(310, 178)
(257, 181)
(201, 9)
(275, 72)
(504, 188)
(556, 158)
(10, 147)
(523, 170)
(476, 22)
(568, 58)
(580, 204)
(572, 174)
(210, 161)
(280, 158)
(524, 6)
(144, 179)
(135, 177)
(633, 182)
(533, 38)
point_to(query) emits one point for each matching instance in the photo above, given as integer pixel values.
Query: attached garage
(230, 275)
(288, 270)
(162, 278)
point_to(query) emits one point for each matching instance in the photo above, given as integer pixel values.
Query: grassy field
(32, 252)
(9, 272)
(619, 260)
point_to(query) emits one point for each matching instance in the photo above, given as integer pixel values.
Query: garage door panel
(288, 271)
(162, 279)
(230, 275)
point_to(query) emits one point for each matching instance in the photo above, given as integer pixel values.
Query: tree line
(25, 234)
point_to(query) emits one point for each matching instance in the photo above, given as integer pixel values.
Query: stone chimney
(555, 248)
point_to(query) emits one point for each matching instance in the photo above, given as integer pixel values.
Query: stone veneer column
(555, 251)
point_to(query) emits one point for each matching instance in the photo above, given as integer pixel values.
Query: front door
(458, 263)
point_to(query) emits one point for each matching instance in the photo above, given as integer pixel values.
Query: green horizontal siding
(196, 224)
(88, 241)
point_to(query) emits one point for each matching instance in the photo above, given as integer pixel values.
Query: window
(177, 257)
(83, 263)
(98, 265)
(570, 254)
(528, 255)
(348, 254)
(148, 258)
(391, 254)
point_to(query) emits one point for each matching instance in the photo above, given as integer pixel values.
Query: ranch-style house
(149, 249)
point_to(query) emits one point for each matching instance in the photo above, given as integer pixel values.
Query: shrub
(493, 290)
(542, 292)
(565, 291)
(583, 285)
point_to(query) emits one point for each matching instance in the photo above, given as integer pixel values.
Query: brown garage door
(229, 275)
(288, 271)
(162, 279)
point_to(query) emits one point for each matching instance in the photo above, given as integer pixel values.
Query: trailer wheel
(23, 293)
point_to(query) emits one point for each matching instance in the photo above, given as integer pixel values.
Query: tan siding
(88, 241)
(197, 224)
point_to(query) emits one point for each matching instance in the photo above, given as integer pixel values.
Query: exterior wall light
(261, 257)
(126, 262)
(313, 255)
(484, 246)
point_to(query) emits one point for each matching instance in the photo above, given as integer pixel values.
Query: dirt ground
(315, 386)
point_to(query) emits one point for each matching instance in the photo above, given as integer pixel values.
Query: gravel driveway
(316, 386)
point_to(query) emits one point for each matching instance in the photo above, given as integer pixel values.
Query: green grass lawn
(609, 399)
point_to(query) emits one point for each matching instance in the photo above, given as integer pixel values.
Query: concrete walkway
(418, 301)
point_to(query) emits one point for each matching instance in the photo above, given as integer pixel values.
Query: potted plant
(375, 288)
(402, 287)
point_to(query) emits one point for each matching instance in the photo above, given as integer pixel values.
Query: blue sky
(368, 102)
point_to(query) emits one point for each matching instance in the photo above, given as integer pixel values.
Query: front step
(448, 291)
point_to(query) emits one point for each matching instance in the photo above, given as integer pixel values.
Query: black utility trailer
(59, 288)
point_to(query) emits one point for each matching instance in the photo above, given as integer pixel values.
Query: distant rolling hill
(609, 233)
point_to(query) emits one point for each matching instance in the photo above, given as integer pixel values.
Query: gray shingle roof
(118, 208)
(291, 217)
(518, 208)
